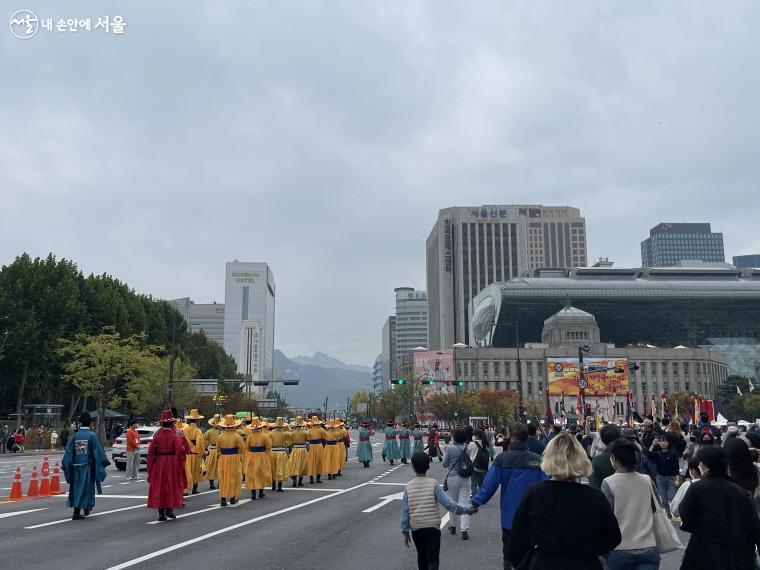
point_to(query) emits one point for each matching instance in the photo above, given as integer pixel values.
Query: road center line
(89, 517)
(380, 483)
(6, 515)
(197, 539)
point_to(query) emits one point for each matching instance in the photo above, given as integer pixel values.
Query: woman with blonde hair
(565, 502)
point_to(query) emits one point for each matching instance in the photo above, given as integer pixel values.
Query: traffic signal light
(398, 381)
(460, 383)
(429, 382)
(263, 383)
(290, 382)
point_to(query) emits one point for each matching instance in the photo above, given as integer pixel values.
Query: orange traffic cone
(16, 493)
(34, 490)
(55, 481)
(45, 483)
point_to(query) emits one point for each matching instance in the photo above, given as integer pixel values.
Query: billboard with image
(600, 376)
(436, 365)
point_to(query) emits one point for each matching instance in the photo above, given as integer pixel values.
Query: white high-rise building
(411, 320)
(249, 301)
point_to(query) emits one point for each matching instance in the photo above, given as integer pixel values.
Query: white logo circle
(24, 24)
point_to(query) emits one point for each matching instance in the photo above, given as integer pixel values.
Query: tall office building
(747, 261)
(670, 244)
(470, 248)
(249, 300)
(411, 320)
(377, 373)
(389, 351)
(206, 317)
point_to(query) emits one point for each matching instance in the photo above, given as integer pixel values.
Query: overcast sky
(323, 137)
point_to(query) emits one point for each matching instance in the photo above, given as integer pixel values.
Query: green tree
(101, 366)
(146, 390)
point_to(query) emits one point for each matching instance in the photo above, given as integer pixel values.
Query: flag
(654, 408)
(738, 391)
(628, 412)
(549, 414)
(751, 387)
(562, 402)
(579, 407)
(696, 409)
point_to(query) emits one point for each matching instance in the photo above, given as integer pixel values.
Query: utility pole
(170, 385)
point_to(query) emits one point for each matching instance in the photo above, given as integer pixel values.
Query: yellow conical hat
(230, 421)
(193, 415)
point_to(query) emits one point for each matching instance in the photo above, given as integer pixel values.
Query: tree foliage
(44, 301)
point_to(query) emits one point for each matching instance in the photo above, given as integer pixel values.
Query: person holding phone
(664, 456)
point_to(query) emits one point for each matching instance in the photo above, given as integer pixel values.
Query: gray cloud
(323, 137)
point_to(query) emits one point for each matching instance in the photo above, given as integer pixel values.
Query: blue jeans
(646, 559)
(476, 481)
(666, 486)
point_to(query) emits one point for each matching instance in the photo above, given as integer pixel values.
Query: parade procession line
(197, 539)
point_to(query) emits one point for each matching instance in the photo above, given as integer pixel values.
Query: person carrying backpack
(480, 454)
(457, 483)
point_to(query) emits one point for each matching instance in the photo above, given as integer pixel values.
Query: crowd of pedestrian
(630, 487)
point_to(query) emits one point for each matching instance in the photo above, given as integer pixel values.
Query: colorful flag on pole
(549, 414)
(654, 408)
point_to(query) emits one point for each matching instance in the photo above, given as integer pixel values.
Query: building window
(644, 387)
(686, 386)
(530, 387)
(675, 369)
(496, 368)
(507, 369)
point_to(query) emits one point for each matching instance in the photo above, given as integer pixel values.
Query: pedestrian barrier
(55, 481)
(45, 482)
(16, 493)
(34, 489)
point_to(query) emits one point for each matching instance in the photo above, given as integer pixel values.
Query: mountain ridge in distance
(324, 361)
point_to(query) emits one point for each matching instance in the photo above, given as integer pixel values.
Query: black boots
(253, 495)
(279, 486)
(211, 484)
(170, 513)
(391, 461)
(366, 464)
(295, 481)
(300, 481)
(233, 501)
(161, 515)
(195, 488)
(261, 494)
(224, 502)
(77, 515)
(311, 479)
(403, 460)
(319, 478)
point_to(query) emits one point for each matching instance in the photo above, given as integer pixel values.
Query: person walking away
(258, 471)
(480, 455)
(40, 431)
(458, 479)
(420, 513)
(194, 460)
(630, 495)
(405, 447)
(298, 455)
(694, 475)
(721, 517)
(534, 444)
(741, 468)
(53, 440)
(391, 450)
(4, 434)
(230, 469)
(133, 451)
(514, 470)
(64, 437)
(166, 469)
(315, 459)
(212, 458)
(84, 467)
(364, 448)
(417, 439)
(434, 449)
(600, 464)
(564, 502)
(280, 443)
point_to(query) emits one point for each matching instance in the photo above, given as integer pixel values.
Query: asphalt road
(352, 522)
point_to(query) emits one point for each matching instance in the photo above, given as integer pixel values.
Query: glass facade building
(670, 244)
(717, 309)
(747, 261)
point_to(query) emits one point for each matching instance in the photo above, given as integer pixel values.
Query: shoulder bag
(665, 534)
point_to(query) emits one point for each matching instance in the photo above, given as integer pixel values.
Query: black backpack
(465, 468)
(482, 458)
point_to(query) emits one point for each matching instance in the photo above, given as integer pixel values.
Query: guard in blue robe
(417, 438)
(364, 449)
(405, 446)
(390, 447)
(84, 466)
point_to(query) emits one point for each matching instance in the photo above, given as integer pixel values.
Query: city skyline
(327, 145)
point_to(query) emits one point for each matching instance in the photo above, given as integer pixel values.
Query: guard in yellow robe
(244, 431)
(258, 471)
(194, 459)
(265, 428)
(298, 459)
(315, 459)
(342, 443)
(280, 444)
(331, 458)
(212, 459)
(230, 470)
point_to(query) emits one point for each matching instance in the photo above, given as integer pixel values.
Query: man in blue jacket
(515, 470)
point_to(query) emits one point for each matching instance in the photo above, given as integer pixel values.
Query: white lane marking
(381, 483)
(6, 515)
(89, 517)
(384, 501)
(444, 519)
(320, 489)
(113, 497)
(197, 539)
(211, 508)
